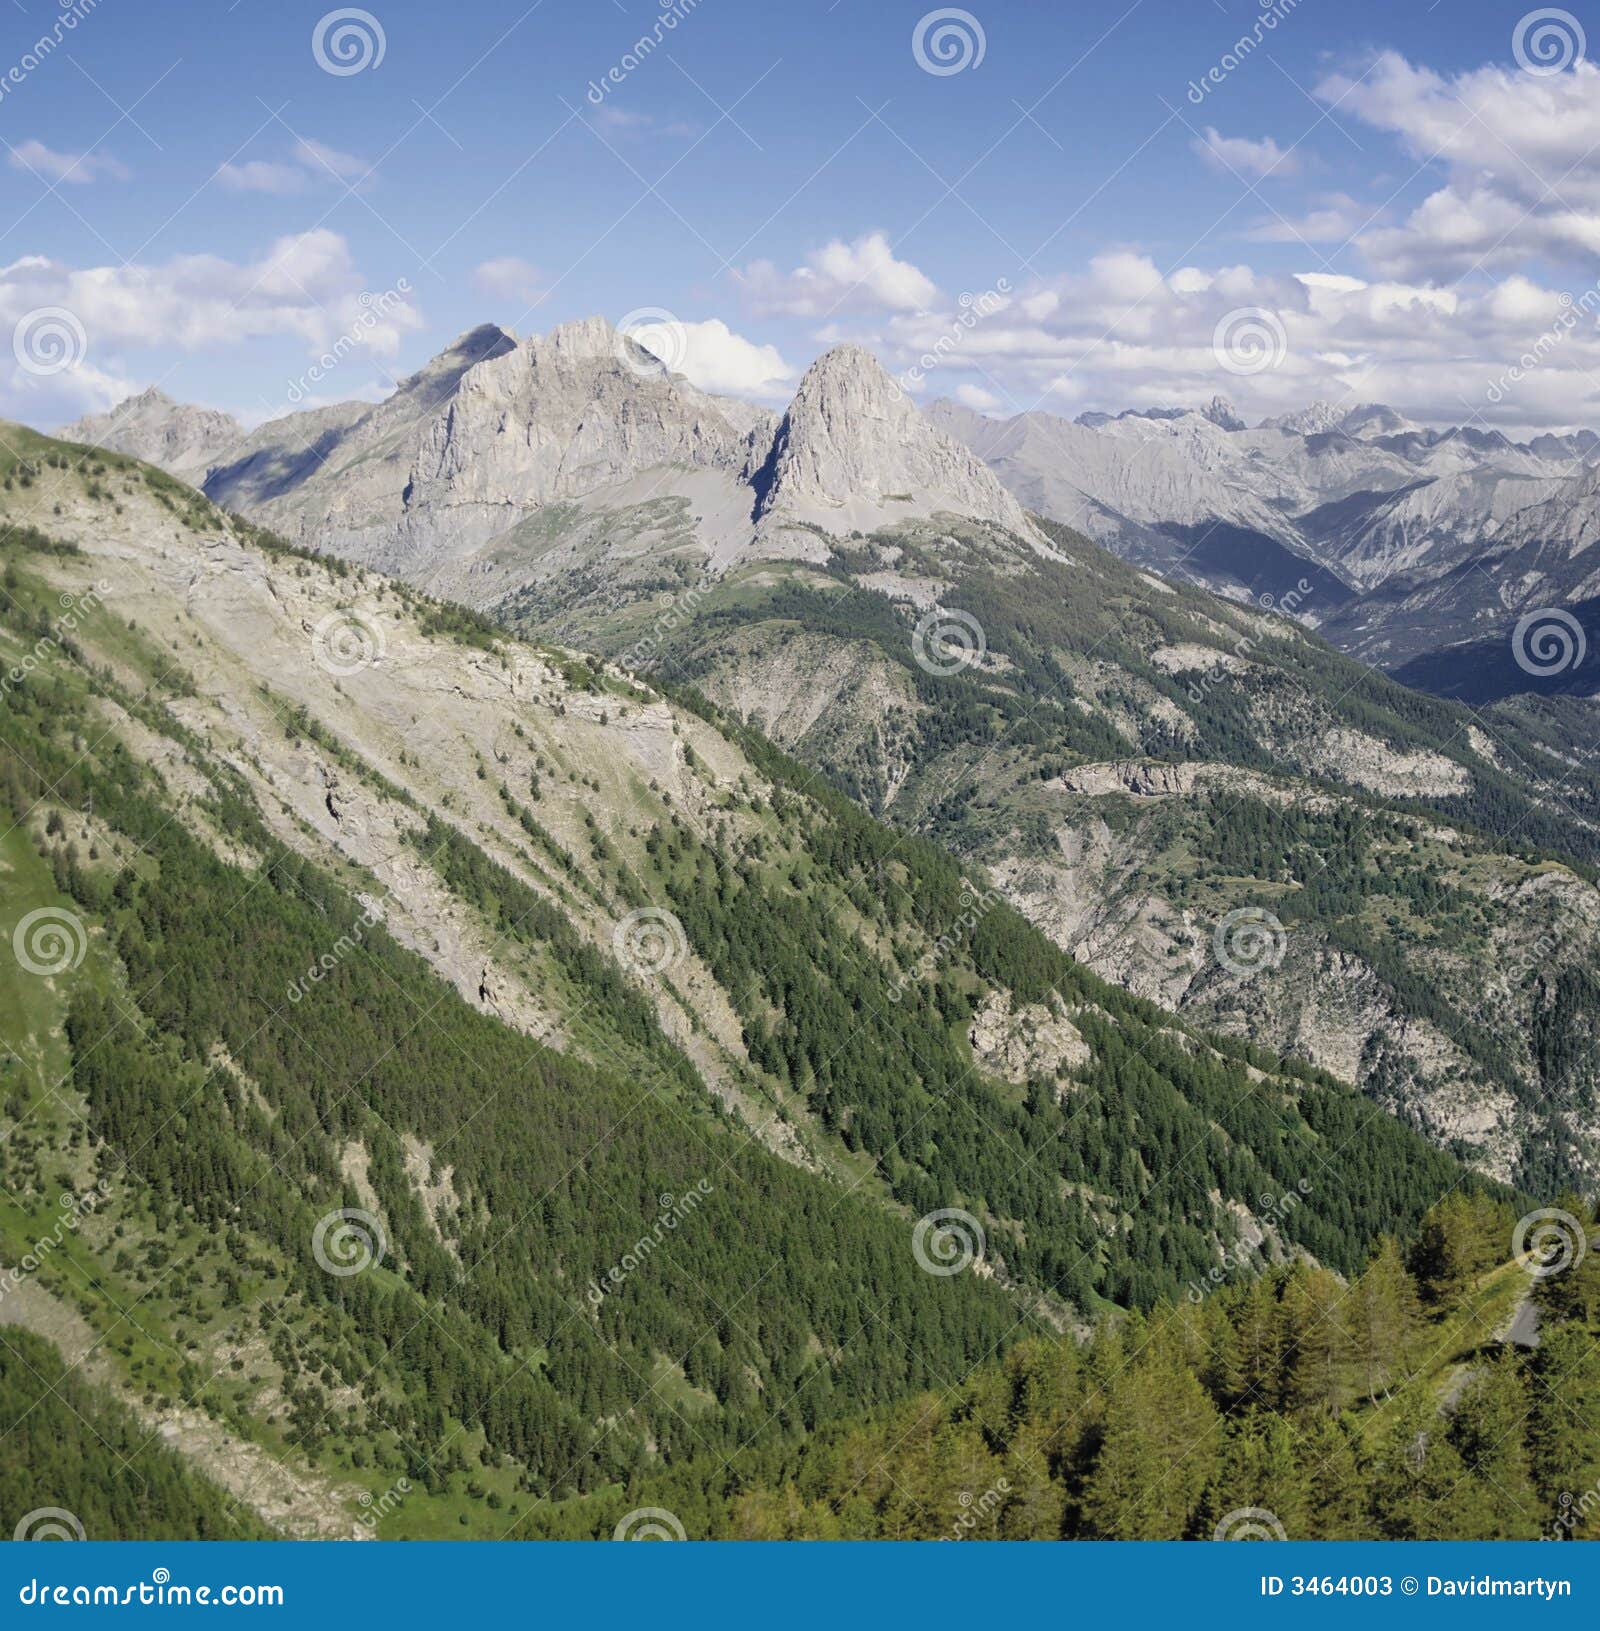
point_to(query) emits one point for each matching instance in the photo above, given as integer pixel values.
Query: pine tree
(1455, 1246)
(1260, 1345)
(1336, 1479)
(1159, 1452)
(1260, 1468)
(1564, 1432)
(1385, 1320)
(1489, 1429)
(1317, 1341)
(1417, 1474)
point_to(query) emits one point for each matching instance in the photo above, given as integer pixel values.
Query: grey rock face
(494, 433)
(854, 453)
(151, 426)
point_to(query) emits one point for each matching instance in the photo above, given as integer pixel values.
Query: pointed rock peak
(152, 396)
(844, 367)
(1222, 413)
(1376, 419)
(439, 376)
(466, 351)
(486, 340)
(854, 453)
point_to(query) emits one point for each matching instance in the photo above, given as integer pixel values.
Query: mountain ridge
(1023, 700)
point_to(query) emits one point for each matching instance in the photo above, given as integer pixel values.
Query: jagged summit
(1222, 413)
(1317, 419)
(853, 452)
(1372, 419)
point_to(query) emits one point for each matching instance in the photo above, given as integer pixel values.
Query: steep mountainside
(1291, 1408)
(1132, 763)
(488, 1078)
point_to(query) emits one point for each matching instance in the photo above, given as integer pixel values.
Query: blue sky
(1110, 187)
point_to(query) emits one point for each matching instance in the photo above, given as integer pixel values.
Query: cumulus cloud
(508, 277)
(1121, 334)
(1517, 151)
(716, 359)
(76, 169)
(305, 288)
(1240, 156)
(860, 276)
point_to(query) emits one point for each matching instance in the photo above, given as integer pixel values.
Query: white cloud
(1120, 334)
(977, 398)
(619, 118)
(716, 359)
(260, 176)
(1517, 150)
(315, 163)
(1336, 219)
(508, 277)
(1240, 156)
(318, 156)
(76, 169)
(305, 288)
(859, 276)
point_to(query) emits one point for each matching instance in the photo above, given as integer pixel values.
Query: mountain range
(1415, 540)
(1131, 759)
(480, 1079)
(582, 944)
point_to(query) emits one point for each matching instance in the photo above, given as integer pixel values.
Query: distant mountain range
(1414, 540)
(1421, 547)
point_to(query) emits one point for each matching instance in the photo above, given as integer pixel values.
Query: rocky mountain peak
(1222, 413)
(853, 452)
(1315, 420)
(584, 339)
(151, 426)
